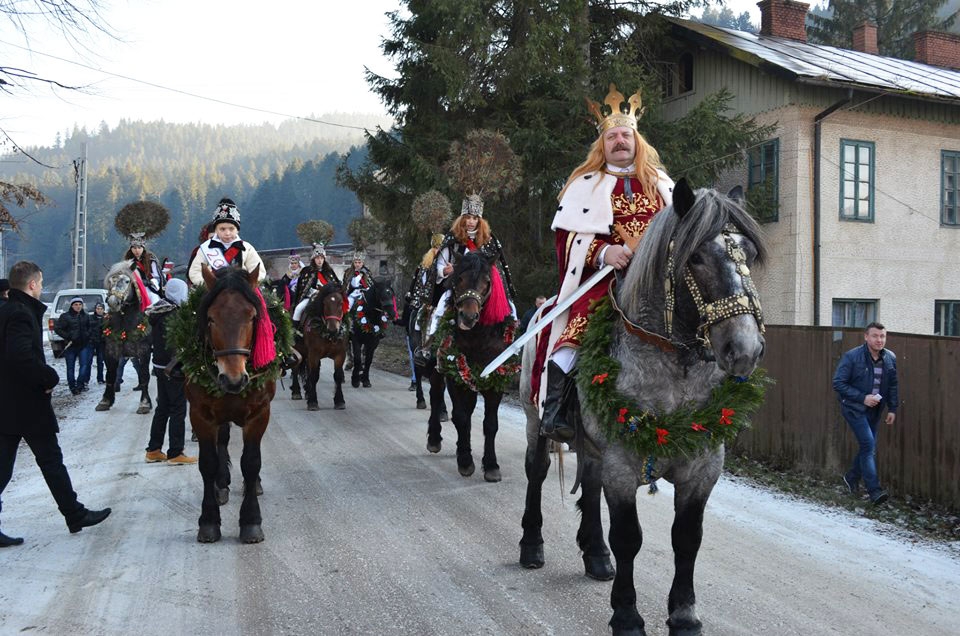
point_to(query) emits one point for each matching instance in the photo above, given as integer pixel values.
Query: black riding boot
(554, 423)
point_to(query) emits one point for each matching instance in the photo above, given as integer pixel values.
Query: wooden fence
(800, 425)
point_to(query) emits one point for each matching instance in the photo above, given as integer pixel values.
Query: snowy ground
(368, 533)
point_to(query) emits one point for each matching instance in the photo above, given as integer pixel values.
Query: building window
(763, 181)
(849, 312)
(946, 318)
(678, 77)
(384, 267)
(856, 182)
(949, 184)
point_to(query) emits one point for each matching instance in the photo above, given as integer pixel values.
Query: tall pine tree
(521, 68)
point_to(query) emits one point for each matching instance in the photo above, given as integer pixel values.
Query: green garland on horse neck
(684, 431)
(197, 358)
(452, 363)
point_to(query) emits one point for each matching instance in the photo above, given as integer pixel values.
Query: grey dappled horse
(703, 227)
(123, 307)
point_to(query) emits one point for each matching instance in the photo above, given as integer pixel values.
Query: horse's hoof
(223, 496)
(433, 447)
(630, 631)
(258, 491)
(355, 383)
(467, 470)
(339, 406)
(251, 534)
(685, 622)
(313, 406)
(208, 533)
(296, 396)
(143, 410)
(531, 556)
(366, 384)
(104, 406)
(421, 405)
(598, 568)
(492, 475)
(444, 416)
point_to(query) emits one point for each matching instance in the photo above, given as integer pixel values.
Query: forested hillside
(278, 175)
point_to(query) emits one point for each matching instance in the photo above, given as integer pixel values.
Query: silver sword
(545, 320)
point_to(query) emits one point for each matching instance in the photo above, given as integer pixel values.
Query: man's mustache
(621, 147)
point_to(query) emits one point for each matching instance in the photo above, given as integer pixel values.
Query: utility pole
(80, 223)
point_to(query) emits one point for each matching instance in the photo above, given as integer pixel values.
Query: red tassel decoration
(141, 291)
(497, 307)
(264, 351)
(286, 297)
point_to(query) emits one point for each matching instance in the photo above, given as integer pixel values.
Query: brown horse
(226, 323)
(325, 335)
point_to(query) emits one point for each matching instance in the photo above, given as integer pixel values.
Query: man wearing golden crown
(605, 207)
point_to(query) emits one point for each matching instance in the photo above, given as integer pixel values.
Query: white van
(61, 303)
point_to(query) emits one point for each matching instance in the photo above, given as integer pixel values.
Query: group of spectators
(82, 333)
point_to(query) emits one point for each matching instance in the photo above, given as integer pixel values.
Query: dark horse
(704, 247)
(226, 324)
(371, 315)
(479, 344)
(125, 334)
(324, 336)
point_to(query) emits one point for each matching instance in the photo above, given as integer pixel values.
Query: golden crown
(618, 116)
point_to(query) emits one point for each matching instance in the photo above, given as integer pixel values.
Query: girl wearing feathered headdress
(312, 277)
(146, 264)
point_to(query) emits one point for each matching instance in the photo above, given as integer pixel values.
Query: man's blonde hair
(645, 163)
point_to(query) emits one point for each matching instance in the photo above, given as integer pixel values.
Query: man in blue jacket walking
(866, 382)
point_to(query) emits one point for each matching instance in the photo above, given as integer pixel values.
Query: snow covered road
(366, 532)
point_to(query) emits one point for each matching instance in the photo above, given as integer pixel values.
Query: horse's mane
(315, 305)
(228, 278)
(473, 263)
(122, 267)
(710, 213)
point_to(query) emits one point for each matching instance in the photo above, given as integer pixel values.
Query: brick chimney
(937, 49)
(865, 38)
(784, 19)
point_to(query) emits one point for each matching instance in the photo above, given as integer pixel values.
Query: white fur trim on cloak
(586, 210)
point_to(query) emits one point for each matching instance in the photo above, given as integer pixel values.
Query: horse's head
(226, 319)
(471, 286)
(699, 256)
(331, 306)
(120, 286)
(384, 298)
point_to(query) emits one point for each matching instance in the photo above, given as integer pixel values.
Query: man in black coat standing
(26, 382)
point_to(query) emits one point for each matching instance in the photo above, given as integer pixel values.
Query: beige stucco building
(864, 165)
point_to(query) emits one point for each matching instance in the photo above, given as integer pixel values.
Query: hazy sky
(291, 57)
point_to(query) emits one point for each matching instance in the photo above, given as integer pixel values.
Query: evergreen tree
(896, 20)
(522, 68)
(725, 17)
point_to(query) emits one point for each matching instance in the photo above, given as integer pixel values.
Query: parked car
(61, 303)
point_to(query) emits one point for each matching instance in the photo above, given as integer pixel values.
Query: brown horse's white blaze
(333, 312)
(230, 330)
